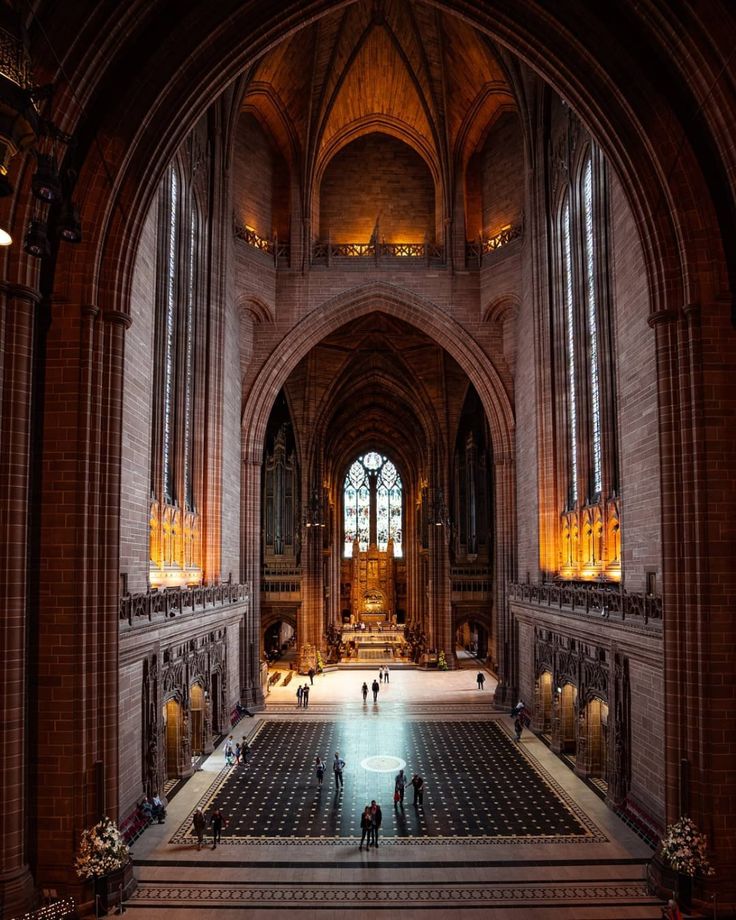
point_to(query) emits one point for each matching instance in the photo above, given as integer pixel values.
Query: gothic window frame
(584, 404)
(359, 485)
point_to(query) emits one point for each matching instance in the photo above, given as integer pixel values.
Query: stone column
(505, 572)
(18, 309)
(251, 690)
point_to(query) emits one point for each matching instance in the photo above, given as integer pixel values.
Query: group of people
(236, 752)
(217, 821)
(400, 784)
(370, 825)
(153, 808)
(383, 678)
(302, 696)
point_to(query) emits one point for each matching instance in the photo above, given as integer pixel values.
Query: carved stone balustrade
(171, 602)
(593, 600)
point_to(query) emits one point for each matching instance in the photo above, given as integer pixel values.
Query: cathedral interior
(344, 335)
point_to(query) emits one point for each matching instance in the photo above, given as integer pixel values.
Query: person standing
(518, 727)
(366, 827)
(199, 823)
(319, 769)
(338, 765)
(399, 786)
(417, 784)
(217, 821)
(385, 675)
(481, 678)
(299, 696)
(311, 676)
(244, 750)
(375, 689)
(229, 751)
(365, 691)
(305, 696)
(376, 820)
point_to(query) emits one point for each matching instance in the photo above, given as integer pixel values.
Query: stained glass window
(170, 336)
(591, 311)
(189, 359)
(372, 483)
(569, 310)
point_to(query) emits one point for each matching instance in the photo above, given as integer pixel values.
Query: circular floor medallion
(383, 763)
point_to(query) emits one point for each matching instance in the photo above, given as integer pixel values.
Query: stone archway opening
(197, 706)
(172, 716)
(565, 740)
(543, 709)
(279, 640)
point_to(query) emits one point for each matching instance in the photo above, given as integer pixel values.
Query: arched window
(585, 413)
(174, 521)
(372, 512)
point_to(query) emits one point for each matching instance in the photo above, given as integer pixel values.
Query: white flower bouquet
(102, 850)
(684, 848)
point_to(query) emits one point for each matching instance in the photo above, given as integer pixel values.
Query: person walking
(366, 827)
(481, 678)
(385, 675)
(199, 823)
(399, 787)
(311, 676)
(299, 696)
(376, 820)
(338, 765)
(319, 769)
(375, 689)
(518, 727)
(244, 750)
(417, 784)
(217, 821)
(229, 751)
(365, 691)
(305, 696)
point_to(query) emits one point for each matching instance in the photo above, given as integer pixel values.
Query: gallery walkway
(505, 830)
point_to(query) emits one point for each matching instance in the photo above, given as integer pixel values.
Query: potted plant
(442, 662)
(684, 850)
(105, 858)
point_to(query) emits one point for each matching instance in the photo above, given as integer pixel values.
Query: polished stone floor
(506, 830)
(479, 784)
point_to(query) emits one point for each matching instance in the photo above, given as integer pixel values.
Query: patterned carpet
(480, 786)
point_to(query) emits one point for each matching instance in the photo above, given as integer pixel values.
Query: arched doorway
(595, 723)
(197, 710)
(279, 639)
(172, 736)
(471, 639)
(215, 701)
(543, 709)
(565, 742)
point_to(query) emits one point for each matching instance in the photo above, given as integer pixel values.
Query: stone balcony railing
(171, 602)
(591, 600)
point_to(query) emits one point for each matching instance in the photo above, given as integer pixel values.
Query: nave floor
(506, 829)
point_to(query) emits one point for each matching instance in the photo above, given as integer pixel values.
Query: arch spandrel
(641, 137)
(412, 309)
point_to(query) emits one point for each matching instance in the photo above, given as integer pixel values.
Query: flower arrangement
(442, 662)
(101, 850)
(684, 848)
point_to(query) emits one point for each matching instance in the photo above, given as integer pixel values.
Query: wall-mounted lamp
(45, 184)
(36, 242)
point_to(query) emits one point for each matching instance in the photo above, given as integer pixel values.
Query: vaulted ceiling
(397, 66)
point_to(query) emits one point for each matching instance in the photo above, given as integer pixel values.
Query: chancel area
(354, 345)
